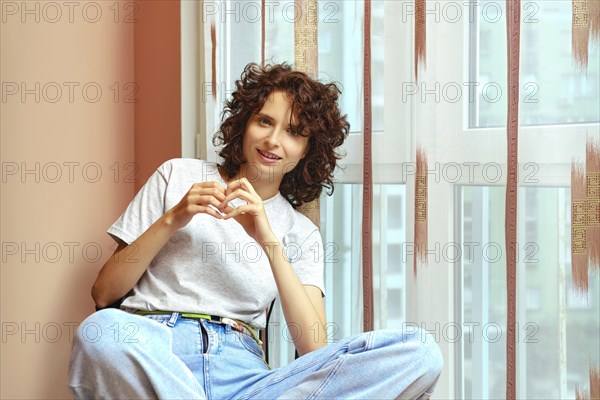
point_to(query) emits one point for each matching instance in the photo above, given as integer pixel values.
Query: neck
(265, 186)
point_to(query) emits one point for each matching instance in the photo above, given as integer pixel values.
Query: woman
(204, 248)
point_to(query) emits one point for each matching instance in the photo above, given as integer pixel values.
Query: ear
(304, 154)
(306, 150)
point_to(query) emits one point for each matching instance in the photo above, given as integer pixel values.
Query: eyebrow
(260, 114)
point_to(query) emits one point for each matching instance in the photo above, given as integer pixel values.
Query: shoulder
(299, 227)
(304, 245)
(176, 163)
(303, 223)
(192, 167)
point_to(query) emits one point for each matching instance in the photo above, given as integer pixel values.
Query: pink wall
(79, 148)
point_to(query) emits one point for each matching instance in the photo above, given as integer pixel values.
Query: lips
(267, 155)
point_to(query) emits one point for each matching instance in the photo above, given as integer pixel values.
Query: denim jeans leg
(170, 361)
(385, 364)
(117, 355)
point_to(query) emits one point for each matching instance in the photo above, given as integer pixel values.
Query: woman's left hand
(251, 216)
(302, 305)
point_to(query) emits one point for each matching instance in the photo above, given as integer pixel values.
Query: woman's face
(270, 146)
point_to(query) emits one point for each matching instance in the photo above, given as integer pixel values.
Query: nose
(273, 138)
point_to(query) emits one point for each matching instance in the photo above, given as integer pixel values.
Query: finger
(206, 200)
(210, 200)
(243, 183)
(248, 186)
(218, 193)
(238, 211)
(208, 185)
(244, 209)
(210, 211)
(239, 194)
(227, 209)
(233, 185)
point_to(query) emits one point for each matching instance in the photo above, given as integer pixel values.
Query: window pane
(279, 40)
(484, 296)
(550, 314)
(552, 90)
(389, 274)
(341, 56)
(247, 42)
(341, 228)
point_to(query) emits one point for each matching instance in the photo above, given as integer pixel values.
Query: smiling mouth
(268, 155)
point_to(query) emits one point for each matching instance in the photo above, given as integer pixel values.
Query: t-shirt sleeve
(147, 206)
(305, 252)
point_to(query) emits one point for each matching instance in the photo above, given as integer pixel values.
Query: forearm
(123, 269)
(297, 307)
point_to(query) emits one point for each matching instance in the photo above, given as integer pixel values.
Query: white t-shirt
(212, 266)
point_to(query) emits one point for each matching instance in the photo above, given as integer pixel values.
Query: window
(341, 232)
(553, 94)
(466, 272)
(533, 214)
(533, 298)
(544, 319)
(552, 90)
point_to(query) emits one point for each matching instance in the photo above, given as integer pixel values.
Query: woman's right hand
(195, 201)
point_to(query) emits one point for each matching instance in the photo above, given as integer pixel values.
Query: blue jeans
(121, 355)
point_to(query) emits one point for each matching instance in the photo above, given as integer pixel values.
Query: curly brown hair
(315, 107)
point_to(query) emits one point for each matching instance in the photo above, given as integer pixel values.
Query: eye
(294, 131)
(264, 121)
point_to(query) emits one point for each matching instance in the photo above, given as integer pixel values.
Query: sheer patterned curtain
(461, 114)
(457, 111)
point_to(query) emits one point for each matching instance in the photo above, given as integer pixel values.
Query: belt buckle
(234, 324)
(216, 318)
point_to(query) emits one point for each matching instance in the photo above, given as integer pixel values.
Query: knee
(427, 351)
(418, 346)
(97, 335)
(415, 358)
